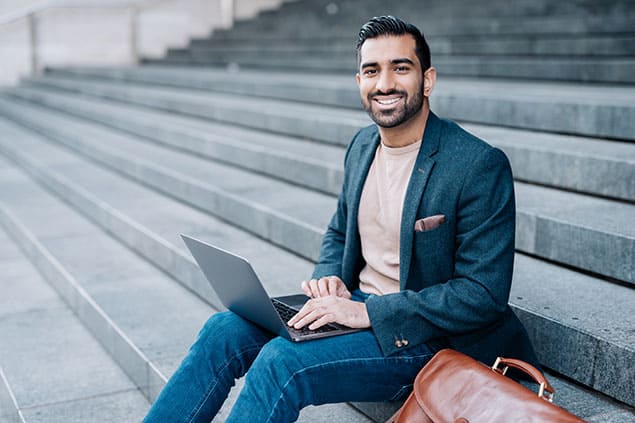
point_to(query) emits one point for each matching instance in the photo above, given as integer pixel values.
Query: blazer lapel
(418, 180)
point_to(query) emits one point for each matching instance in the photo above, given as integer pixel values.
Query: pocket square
(429, 223)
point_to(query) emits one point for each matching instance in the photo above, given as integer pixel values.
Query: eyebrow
(393, 62)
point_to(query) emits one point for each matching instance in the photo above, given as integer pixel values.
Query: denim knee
(278, 371)
(226, 332)
(281, 358)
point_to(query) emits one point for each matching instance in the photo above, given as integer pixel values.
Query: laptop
(240, 290)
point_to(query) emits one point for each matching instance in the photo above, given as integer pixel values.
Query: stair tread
(120, 197)
(140, 212)
(546, 91)
(49, 358)
(605, 216)
(600, 239)
(151, 298)
(605, 162)
(574, 145)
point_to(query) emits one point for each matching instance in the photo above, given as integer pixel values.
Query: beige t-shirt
(379, 216)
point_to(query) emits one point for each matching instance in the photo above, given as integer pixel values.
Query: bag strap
(545, 391)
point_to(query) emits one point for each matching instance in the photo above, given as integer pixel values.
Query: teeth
(388, 102)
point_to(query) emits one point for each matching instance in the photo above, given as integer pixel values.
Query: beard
(394, 117)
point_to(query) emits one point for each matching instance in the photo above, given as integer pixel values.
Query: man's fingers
(306, 289)
(323, 287)
(333, 286)
(304, 311)
(324, 320)
(344, 292)
(310, 288)
(310, 317)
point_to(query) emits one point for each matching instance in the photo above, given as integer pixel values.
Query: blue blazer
(454, 279)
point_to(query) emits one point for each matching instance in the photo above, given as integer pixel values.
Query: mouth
(387, 100)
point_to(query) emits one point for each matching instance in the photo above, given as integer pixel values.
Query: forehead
(388, 47)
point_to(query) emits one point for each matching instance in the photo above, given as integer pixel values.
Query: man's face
(390, 80)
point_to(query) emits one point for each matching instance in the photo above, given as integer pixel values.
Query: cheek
(364, 89)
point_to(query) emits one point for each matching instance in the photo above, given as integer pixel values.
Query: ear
(429, 79)
(357, 78)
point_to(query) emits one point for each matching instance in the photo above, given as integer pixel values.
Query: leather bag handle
(545, 391)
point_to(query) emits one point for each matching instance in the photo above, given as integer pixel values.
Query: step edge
(537, 315)
(91, 315)
(8, 400)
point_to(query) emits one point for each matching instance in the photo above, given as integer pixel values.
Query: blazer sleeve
(477, 294)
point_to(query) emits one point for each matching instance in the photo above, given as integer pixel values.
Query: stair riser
(603, 177)
(132, 361)
(540, 328)
(610, 121)
(9, 410)
(603, 253)
(454, 22)
(155, 249)
(620, 71)
(299, 237)
(613, 45)
(577, 246)
(569, 351)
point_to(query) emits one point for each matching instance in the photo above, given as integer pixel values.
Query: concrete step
(454, 17)
(9, 409)
(546, 159)
(596, 111)
(592, 406)
(583, 41)
(544, 45)
(557, 68)
(302, 120)
(49, 359)
(306, 163)
(568, 357)
(138, 297)
(547, 219)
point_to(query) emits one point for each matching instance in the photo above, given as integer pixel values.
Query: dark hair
(390, 25)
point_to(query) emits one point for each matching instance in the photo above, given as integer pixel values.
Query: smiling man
(419, 252)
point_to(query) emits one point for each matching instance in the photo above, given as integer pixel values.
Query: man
(420, 251)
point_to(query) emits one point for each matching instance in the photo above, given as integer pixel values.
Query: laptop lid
(239, 289)
(237, 285)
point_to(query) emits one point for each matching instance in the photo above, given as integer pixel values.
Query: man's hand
(331, 309)
(323, 287)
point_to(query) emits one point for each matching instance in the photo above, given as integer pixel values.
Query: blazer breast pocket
(429, 223)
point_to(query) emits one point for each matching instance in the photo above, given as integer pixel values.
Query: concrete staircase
(102, 169)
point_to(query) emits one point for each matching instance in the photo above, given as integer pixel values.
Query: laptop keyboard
(286, 313)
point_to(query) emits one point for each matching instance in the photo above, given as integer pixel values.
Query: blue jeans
(282, 376)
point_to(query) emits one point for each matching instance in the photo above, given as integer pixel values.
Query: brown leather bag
(454, 388)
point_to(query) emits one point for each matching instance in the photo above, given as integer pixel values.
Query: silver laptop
(239, 289)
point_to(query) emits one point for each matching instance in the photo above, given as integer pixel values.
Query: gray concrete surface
(50, 359)
(233, 155)
(529, 298)
(547, 219)
(9, 408)
(548, 159)
(136, 299)
(583, 109)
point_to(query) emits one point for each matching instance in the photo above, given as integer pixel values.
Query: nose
(385, 82)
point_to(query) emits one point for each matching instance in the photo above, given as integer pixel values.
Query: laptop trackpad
(294, 301)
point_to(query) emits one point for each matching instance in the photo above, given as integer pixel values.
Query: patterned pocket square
(429, 223)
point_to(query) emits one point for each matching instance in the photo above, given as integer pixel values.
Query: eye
(370, 72)
(402, 68)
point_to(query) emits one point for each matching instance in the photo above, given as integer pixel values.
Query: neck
(408, 132)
